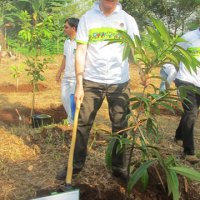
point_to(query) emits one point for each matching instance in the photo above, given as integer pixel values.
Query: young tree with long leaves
(152, 51)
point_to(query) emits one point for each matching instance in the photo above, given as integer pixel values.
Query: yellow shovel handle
(73, 142)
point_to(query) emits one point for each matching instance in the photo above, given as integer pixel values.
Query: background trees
(177, 15)
(38, 10)
(6, 8)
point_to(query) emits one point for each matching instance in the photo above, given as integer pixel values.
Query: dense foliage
(178, 15)
(10, 22)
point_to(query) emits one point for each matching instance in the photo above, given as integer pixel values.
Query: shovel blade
(71, 195)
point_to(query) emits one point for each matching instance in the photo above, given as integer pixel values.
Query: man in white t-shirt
(191, 81)
(102, 73)
(68, 67)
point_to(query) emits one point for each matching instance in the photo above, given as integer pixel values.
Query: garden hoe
(67, 191)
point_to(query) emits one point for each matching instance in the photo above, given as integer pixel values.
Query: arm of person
(79, 68)
(171, 72)
(61, 69)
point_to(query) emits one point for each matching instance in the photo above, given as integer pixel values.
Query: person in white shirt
(102, 73)
(189, 79)
(168, 74)
(68, 67)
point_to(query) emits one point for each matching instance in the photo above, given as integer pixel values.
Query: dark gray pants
(117, 96)
(185, 130)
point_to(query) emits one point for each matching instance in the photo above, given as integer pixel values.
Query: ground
(31, 157)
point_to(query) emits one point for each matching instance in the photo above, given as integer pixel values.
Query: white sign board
(71, 195)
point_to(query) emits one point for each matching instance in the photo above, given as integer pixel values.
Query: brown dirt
(10, 116)
(30, 158)
(7, 88)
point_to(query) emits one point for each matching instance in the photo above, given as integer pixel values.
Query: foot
(123, 175)
(192, 159)
(61, 175)
(178, 142)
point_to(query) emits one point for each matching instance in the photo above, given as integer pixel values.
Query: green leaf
(135, 105)
(111, 41)
(151, 126)
(190, 62)
(133, 99)
(41, 77)
(173, 57)
(173, 184)
(154, 48)
(170, 161)
(109, 151)
(145, 180)
(126, 52)
(127, 38)
(167, 106)
(187, 172)
(156, 36)
(139, 172)
(162, 29)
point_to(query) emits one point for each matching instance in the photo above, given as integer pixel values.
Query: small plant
(153, 50)
(35, 69)
(16, 72)
(32, 34)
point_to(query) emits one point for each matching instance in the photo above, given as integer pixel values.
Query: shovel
(68, 192)
(71, 152)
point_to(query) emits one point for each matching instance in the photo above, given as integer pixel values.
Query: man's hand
(62, 68)
(79, 93)
(58, 75)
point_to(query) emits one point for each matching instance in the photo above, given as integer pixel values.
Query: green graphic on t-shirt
(195, 51)
(102, 34)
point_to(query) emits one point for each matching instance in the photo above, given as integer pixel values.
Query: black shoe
(179, 142)
(122, 175)
(61, 175)
(192, 159)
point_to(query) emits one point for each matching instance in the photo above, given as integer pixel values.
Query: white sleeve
(187, 37)
(65, 48)
(132, 27)
(82, 35)
(171, 72)
(184, 45)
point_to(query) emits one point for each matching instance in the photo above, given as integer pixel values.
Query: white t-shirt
(104, 63)
(69, 52)
(193, 45)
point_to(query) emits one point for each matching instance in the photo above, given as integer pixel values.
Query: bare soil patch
(7, 88)
(10, 117)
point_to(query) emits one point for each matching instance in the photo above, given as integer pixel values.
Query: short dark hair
(73, 22)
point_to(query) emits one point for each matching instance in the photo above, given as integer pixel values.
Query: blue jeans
(117, 96)
(67, 88)
(185, 130)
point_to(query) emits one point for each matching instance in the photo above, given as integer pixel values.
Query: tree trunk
(2, 39)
